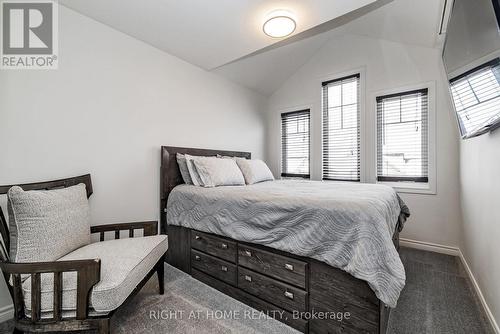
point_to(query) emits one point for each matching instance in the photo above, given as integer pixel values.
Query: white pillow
(183, 167)
(193, 172)
(215, 172)
(254, 170)
(229, 157)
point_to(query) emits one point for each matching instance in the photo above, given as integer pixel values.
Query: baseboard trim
(455, 251)
(480, 295)
(6, 313)
(429, 246)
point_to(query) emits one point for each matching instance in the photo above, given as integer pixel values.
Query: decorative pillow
(45, 225)
(218, 172)
(254, 170)
(193, 172)
(183, 167)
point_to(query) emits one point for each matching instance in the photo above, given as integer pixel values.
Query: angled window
(295, 144)
(476, 96)
(402, 137)
(341, 129)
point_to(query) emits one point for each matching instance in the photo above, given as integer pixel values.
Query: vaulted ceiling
(225, 36)
(208, 33)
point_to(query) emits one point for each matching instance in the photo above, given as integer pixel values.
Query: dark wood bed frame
(256, 276)
(88, 272)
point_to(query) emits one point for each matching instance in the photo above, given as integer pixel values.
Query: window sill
(411, 188)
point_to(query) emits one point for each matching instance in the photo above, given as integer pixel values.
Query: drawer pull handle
(223, 246)
(248, 253)
(197, 237)
(288, 295)
(289, 266)
(197, 258)
(248, 278)
(223, 268)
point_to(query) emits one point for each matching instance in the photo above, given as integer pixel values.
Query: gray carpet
(438, 298)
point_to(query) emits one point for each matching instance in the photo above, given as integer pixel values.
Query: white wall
(480, 195)
(107, 110)
(480, 156)
(387, 65)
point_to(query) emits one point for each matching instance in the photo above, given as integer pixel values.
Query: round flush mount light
(279, 24)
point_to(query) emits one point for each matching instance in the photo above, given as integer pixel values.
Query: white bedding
(346, 225)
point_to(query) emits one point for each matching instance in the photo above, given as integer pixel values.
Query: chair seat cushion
(124, 264)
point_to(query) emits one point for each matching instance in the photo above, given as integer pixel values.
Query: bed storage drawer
(280, 294)
(216, 246)
(290, 270)
(213, 266)
(253, 301)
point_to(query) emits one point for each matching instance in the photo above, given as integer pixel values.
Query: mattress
(346, 225)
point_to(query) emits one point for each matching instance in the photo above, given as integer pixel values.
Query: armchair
(36, 288)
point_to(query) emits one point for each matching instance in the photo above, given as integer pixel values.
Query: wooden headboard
(170, 175)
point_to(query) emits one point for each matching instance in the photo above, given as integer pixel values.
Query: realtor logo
(29, 35)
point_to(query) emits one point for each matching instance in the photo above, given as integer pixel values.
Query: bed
(269, 246)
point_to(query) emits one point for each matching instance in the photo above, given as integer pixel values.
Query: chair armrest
(88, 274)
(149, 228)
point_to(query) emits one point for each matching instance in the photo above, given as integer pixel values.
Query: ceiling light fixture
(279, 24)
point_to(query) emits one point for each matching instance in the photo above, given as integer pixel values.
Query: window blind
(295, 143)
(402, 137)
(476, 96)
(341, 129)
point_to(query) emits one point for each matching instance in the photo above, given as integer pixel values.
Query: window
(402, 137)
(295, 128)
(341, 129)
(476, 95)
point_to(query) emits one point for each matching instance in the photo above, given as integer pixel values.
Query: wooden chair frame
(88, 273)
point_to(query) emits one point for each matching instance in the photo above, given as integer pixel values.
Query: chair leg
(104, 327)
(160, 270)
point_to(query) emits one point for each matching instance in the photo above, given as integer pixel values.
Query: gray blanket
(346, 225)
